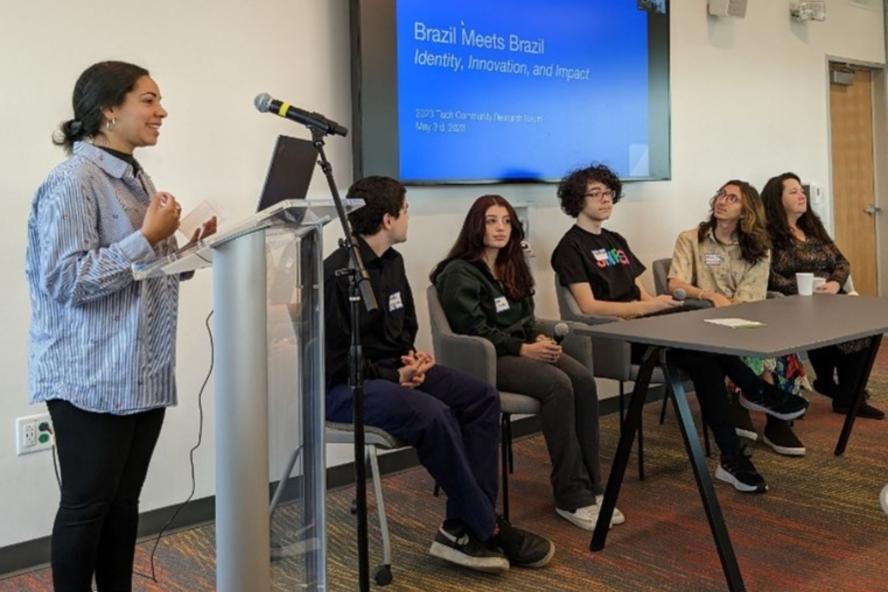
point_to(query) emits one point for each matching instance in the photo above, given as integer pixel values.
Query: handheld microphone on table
(561, 331)
(679, 294)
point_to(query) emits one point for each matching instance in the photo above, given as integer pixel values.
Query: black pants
(104, 459)
(837, 371)
(708, 372)
(569, 412)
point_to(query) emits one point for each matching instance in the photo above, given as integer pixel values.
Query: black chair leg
(640, 451)
(504, 462)
(508, 425)
(706, 439)
(622, 411)
(665, 402)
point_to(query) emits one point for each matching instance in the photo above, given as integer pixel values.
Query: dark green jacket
(471, 297)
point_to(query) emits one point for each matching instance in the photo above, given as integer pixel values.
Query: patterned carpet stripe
(818, 528)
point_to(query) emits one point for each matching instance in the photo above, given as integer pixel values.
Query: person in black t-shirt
(450, 418)
(594, 263)
(601, 272)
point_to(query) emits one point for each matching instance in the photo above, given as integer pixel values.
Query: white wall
(749, 100)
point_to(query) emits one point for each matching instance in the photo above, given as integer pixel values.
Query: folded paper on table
(735, 323)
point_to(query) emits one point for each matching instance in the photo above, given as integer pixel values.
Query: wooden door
(854, 197)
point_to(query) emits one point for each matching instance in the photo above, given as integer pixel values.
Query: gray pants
(569, 401)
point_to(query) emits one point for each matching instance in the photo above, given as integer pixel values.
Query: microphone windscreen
(561, 331)
(262, 102)
(679, 294)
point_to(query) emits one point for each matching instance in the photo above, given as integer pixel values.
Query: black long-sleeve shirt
(476, 304)
(386, 334)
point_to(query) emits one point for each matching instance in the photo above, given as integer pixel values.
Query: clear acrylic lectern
(267, 269)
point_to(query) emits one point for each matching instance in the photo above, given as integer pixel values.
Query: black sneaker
(865, 410)
(522, 548)
(739, 472)
(775, 402)
(780, 437)
(456, 543)
(741, 421)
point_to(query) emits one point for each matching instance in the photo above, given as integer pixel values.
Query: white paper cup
(817, 283)
(805, 283)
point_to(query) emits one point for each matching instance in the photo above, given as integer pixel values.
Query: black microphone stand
(359, 290)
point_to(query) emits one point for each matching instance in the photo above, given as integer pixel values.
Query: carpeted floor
(818, 528)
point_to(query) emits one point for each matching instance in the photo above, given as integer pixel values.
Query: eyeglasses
(601, 194)
(726, 197)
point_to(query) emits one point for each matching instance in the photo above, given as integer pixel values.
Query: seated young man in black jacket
(602, 274)
(450, 418)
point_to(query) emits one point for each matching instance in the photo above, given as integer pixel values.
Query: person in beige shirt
(726, 260)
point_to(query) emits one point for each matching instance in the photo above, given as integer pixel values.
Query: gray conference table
(794, 324)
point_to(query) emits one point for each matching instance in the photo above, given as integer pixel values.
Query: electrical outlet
(33, 433)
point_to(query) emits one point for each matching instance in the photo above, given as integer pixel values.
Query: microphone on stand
(266, 104)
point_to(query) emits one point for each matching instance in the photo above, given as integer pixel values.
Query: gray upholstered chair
(476, 356)
(374, 439)
(660, 271)
(613, 360)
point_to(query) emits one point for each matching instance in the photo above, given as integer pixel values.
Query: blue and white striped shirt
(98, 339)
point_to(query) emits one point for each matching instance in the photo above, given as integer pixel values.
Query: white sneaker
(617, 517)
(584, 517)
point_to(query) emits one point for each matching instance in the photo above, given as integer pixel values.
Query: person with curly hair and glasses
(800, 243)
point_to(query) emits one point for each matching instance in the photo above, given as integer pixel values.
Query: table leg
(875, 342)
(624, 448)
(704, 483)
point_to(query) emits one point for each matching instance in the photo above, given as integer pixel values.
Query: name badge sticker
(712, 259)
(395, 302)
(501, 303)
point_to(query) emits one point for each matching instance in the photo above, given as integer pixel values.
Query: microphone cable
(153, 576)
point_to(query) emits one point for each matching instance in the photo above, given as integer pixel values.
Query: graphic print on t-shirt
(610, 258)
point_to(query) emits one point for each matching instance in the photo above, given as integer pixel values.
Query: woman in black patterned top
(800, 243)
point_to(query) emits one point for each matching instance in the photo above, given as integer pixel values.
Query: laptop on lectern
(289, 174)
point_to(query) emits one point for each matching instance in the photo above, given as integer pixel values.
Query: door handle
(872, 209)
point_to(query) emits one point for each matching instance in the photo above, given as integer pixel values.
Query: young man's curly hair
(572, 189)
(382, 195)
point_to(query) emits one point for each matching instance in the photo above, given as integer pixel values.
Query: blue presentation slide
(498, 89)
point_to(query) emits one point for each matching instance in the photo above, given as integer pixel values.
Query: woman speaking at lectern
(102, 345)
